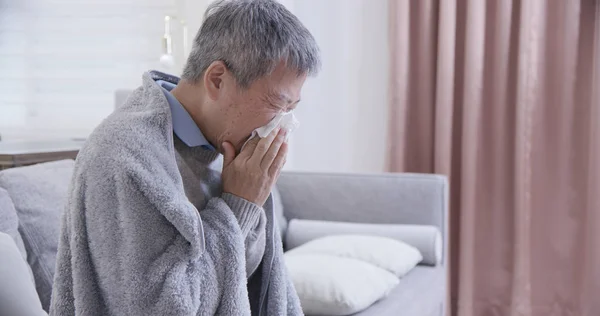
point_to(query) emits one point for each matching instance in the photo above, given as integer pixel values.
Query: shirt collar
(183, 125)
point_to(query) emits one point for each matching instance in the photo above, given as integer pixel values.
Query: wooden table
(16, 154)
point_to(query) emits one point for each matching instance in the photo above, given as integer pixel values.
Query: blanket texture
(132, 243)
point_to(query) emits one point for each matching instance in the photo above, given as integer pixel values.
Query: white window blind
(62, 60)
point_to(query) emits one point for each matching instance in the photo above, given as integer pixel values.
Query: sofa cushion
(389, 254)
(421, 292)
(39, 193)
(330, 285)
(426, 238)
(9, 221)
(17, 291)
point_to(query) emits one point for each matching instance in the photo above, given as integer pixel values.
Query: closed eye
(280, 100)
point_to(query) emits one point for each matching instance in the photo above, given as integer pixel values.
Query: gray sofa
(32, 199)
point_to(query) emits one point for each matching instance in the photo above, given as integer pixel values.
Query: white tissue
(286, 121)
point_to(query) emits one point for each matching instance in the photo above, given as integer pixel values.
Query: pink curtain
(504, 97)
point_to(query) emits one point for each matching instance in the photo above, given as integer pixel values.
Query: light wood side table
(16, 154)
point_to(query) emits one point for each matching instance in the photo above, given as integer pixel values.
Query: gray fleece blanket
(132, 244)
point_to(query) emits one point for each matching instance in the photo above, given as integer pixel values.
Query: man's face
(244, 110)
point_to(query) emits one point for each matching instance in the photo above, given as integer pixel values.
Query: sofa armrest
(392, 198)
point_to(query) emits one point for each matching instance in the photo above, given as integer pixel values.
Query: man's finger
(228, 153)
(249, 148)
(279, 172)
(272, 152)
(279, 161)
(263, 146)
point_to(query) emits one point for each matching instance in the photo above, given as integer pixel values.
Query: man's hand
(253, 172)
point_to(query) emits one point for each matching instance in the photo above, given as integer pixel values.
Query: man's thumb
(228, 153)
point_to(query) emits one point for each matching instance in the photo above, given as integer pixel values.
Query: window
(62, 60)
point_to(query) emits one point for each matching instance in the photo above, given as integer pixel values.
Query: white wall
(343, 113)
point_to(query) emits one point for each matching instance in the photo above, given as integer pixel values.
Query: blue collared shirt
(183, 125)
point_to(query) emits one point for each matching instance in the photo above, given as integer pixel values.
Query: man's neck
(193, 101)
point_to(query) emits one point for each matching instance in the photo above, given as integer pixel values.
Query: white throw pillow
(392, 255)
(17, 290)
(330, 285)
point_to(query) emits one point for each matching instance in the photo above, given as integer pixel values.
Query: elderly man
(153, 226)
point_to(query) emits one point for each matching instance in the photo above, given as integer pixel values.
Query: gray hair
(251, 37)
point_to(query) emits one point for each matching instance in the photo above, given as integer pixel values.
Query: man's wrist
(247, 213)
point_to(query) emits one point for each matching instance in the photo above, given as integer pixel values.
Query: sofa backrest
(400, 198)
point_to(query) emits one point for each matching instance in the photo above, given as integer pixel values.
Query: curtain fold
(503, 97)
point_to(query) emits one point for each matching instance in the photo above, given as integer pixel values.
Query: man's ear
(214, 77)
